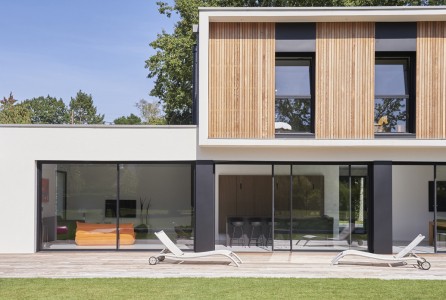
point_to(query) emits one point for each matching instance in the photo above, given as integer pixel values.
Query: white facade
(23, 146)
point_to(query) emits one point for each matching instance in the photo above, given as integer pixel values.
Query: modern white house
(317, 129)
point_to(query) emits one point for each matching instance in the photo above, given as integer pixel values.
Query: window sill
(294, 135)
(395, 135)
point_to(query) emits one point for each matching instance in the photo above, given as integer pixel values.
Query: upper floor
(266, 74)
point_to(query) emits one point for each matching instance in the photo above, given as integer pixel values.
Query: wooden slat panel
(431, 81)
(345, 68)
(241, 80)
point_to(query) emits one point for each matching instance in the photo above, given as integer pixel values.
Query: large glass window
(393, 99)
(294, 104)
(115, 206)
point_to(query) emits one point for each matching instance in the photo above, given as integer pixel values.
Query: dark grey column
(204, 206)
(382, 207)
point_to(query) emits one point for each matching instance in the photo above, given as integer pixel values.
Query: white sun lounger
(405, 256)
(173, 252)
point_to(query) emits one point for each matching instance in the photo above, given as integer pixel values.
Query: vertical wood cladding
(345, 81)
(431, 80)
(241, 80)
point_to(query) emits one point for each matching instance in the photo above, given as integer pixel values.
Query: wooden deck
(277, 264)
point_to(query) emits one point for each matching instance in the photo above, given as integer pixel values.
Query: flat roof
(325, 14)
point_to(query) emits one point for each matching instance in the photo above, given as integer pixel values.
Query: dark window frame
(411, 90)
(309, 56)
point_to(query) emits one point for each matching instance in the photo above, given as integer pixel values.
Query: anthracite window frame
(307, 56)
(410, 57)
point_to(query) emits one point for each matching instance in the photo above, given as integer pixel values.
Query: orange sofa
(89, 234)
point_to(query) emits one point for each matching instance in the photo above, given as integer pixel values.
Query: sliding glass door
(320, 207)
(162, 195)
(115, 206)
(282, 207)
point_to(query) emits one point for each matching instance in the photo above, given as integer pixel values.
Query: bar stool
(256, 231)
(237, 226)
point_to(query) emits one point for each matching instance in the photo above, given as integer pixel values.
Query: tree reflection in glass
(294, 112)
(395, 109)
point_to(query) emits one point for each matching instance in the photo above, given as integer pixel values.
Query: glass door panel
(358, 207)
(282, 208)
(346, 204)
(439, 205)
(73, 206)
(155, 197)
(244, 207)
(412, 190)
(329, 208)
(315, 206)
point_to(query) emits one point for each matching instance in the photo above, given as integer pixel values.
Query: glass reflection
(81, 210)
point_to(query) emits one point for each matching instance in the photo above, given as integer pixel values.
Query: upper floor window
(294, 111)
(394, 99)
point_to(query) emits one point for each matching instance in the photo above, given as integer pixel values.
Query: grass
(220, 288)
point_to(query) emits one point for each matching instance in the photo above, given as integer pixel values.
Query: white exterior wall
(23, 146)
(343, 151)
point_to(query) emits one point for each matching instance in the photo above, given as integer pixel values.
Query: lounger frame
(171, 251)
(405, 256)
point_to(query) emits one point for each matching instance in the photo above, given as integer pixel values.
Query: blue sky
(58, 47)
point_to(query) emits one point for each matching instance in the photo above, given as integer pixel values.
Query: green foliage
(46, 110)
(150, 112)
(171, 65)
(306, 196)
(358, 194)
(10, 113)
(394, 109)
(82, 110)
(129, 120)
(295, 112)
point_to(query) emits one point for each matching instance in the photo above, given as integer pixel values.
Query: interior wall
(168, 187)
(88, 186)
(410, 195)
(49, 208)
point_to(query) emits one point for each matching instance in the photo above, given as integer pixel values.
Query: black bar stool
(256, 231)
(237, 228)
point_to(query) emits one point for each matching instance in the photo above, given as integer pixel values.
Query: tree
(295, 112)
(129, 120)
(171, 65)
(46, 110)
(82, 110)
(150, 112)
(10, 113)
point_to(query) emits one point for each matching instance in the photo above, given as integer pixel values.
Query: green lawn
(221, 288)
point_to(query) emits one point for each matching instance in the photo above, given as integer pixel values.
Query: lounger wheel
(161, 258)
(153, 260)
(425, 265)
